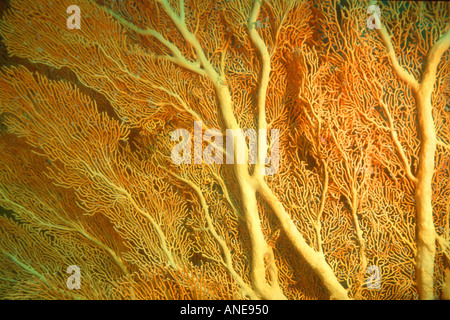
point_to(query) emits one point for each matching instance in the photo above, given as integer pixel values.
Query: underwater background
(114, 182)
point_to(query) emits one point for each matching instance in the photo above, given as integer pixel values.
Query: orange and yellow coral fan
(86, 117)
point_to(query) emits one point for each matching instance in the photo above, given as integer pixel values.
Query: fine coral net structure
(219, 149)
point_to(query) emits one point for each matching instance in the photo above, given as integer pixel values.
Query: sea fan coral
(98, 97)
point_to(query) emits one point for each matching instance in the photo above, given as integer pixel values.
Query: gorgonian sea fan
(357, 208)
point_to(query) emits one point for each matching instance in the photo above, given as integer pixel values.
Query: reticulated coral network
(97, 99)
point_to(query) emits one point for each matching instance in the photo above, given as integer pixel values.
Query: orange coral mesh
(357, 209)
